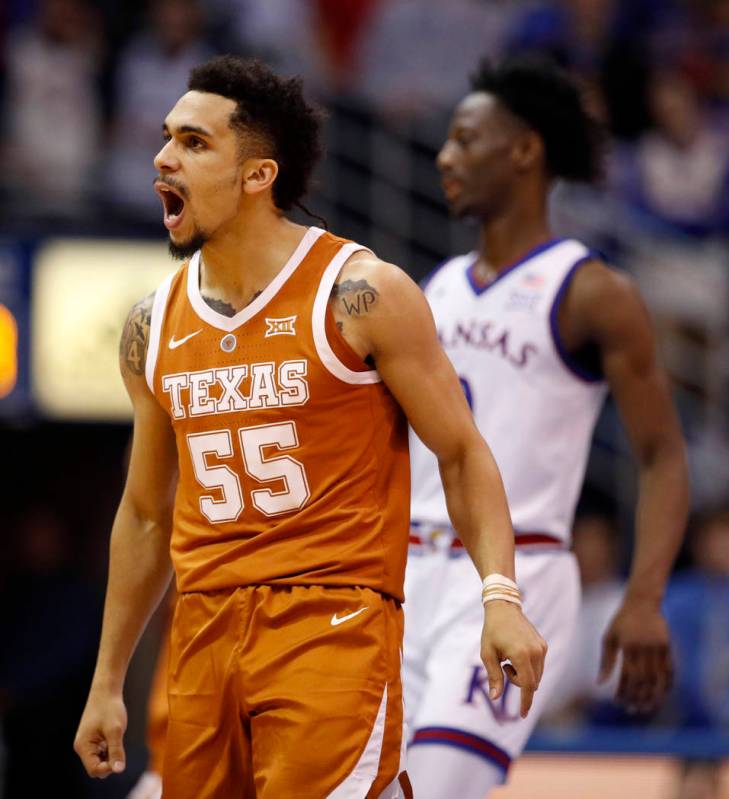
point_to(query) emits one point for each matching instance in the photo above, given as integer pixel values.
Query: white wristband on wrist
(498, 579)
(496, 586)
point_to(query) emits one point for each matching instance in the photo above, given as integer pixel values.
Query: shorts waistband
(442, 537)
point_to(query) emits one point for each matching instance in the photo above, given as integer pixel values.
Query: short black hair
(273, 109)
(536, 91)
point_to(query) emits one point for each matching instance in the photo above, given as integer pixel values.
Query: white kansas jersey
(536, 410)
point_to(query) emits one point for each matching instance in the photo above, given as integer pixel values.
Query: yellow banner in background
(8, 351)
(83, 291)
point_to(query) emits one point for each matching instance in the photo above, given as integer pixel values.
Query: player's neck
(505, 240)
(245, 257)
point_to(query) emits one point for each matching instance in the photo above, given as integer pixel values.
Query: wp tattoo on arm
(135, 336)
(357, 296)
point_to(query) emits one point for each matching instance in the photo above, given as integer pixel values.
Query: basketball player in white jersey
(539, 329)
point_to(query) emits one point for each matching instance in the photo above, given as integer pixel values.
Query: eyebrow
(459, 126)
(188, 129)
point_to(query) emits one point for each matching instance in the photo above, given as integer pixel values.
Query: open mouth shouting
(173, 203)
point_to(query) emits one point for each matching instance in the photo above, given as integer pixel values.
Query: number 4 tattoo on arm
(135, 336)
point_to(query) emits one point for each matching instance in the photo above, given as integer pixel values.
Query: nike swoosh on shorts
(339, 620)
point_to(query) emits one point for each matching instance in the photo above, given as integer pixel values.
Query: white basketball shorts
(445, 684)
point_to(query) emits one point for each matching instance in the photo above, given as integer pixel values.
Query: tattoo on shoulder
(135, 336)
(357, 296)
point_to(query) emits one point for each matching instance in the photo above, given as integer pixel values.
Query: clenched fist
(99, 739)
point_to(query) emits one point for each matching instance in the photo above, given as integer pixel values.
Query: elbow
(467, 449)
(666, 460)
(145, 515)
(668, 449)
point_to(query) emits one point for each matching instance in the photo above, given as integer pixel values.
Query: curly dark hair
(539, 93)
(270, 109)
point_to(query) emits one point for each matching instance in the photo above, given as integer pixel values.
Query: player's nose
(165, 160)
(444, 159)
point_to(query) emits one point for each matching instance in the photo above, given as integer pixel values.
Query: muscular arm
(385, 316)
(604, 308)
(139, 565)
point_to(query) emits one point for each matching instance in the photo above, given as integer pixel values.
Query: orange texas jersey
(293, 459)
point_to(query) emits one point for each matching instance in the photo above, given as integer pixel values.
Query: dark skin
(493, 168)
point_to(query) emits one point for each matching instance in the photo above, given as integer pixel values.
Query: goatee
(186, 249)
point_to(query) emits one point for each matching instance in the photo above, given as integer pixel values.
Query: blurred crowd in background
(84, 87)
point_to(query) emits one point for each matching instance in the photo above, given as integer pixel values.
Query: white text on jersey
(237, 388)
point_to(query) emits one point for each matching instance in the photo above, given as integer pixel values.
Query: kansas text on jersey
(533, 405)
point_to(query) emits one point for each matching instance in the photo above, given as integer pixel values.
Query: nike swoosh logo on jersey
(341, 619)
(173, 345)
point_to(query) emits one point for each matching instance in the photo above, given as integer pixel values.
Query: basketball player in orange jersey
(272, 378)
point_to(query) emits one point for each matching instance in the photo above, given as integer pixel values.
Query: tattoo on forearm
(135, 336)
(357, 296)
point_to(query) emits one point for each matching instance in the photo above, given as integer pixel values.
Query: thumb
(494, 672)
(609, 655)
(116, 756)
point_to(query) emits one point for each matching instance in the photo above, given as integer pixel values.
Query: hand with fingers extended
(99, 739)
(509, 635)
(639, 633)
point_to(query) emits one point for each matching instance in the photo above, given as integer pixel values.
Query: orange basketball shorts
(285, 693)
(157, 709)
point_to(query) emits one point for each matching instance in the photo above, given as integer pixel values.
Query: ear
(258, 174)
(528, 151)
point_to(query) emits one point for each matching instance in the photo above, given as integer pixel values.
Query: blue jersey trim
(567, 359)
(540, 248)
(466, 741)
